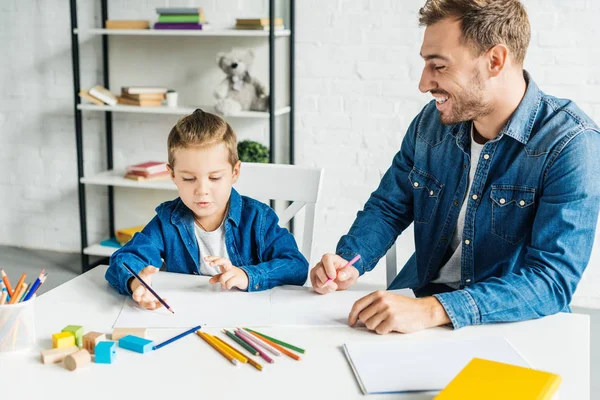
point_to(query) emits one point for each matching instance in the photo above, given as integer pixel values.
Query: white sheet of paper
(406, 365)
(206, 305)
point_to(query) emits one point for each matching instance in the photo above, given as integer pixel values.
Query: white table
(188, 367)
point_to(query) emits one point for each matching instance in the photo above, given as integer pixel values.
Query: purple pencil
(254, 346)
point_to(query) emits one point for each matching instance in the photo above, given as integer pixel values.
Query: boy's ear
(170, 169)
(236, 171)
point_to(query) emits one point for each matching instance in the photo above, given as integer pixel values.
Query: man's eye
(440, 68)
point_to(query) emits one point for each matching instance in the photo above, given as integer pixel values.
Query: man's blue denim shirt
(255, 243)
(530, 219)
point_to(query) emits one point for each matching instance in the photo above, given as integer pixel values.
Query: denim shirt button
(416, 184)
(474, 197)
(443, 238)
(467, 242)
(256, 286)
(486, 156)
(456, 203)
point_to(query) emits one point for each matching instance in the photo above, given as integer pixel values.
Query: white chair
(391, 265)
(300, 185)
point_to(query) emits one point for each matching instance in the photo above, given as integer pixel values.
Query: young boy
(210, 229)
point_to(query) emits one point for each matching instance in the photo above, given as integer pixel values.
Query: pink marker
(350, 263)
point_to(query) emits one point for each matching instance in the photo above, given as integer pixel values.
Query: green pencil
(239, 341)
(279, 342)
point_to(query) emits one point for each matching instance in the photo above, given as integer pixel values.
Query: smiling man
(499, 179)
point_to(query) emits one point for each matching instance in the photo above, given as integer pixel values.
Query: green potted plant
(251, 151)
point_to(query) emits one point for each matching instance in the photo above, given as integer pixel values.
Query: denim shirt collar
(521, 122)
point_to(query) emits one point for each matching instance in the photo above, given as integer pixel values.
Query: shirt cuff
(460, 307)
(256, 277)
(359, 265)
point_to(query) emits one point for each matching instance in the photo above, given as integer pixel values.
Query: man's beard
(470, 105)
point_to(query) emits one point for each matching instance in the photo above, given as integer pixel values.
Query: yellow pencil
(250, 361)
(217, 348)
(241, 358)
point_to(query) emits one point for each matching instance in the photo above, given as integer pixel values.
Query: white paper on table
(415, 365)
(205, 305)
(300, 306)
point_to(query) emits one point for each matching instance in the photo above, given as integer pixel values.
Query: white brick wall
(357, 73)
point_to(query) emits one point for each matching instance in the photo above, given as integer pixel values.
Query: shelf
(115, 178)
(99, 250)
(182, 32)
(178, 110)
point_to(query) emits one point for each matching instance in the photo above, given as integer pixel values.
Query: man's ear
(236, 171)
(497, 58)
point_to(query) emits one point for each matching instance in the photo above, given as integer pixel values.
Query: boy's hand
(230, 276)
(332, 266)
(140, 294)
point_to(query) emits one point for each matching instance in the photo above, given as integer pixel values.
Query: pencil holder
(17, 327)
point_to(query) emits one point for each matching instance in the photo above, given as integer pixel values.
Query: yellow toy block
(63, 339)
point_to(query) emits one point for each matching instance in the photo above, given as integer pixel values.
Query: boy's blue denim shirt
(255, 243)
(531, 213)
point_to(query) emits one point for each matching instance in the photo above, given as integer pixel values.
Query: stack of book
(261, 24)
(126, 234)
(147, 171)
(127, 24)
(99, 95)
(142, 96)
(181, 18)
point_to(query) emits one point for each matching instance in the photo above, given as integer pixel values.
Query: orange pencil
(278, 347)
(7, 283)
(212, 343)
(21, 280)
(17, 294)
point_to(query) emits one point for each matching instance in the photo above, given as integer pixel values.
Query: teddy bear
(239, 91)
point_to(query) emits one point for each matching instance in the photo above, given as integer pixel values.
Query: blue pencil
(166, 342)
(149, 288)
(35, 286)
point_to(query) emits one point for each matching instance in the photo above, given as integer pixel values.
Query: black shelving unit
(272, 36)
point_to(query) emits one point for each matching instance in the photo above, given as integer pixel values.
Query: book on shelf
(258, 21)
(144, 96)
(180, 18)
(150, 177)
(129, 90)
(124, 235)
(258, 27)
(149, 167)
(179, 10)
(84, 94)
(128, 101)
(182, 25)
(486, 379)
(127, 24)
(103, 94)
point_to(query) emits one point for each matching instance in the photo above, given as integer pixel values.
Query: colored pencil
(17, 295)
(36, 285)
(239, 356)
(224, 353)
(25, 286)
(20, 281)
(239, 341)
(279, 342)
(349, 264)
(166, 342)
(250, 360)
(278, 347)
(149, 288)
(262, 344)
(3, 298)
(7, 283)
(264, 355)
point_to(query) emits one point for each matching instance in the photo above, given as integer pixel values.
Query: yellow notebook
(491, 380)
(124, 235)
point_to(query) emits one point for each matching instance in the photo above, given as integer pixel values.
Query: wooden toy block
(51, 356)
(91, 339)
(78, 359)
(77, 331)
(63, 339)
(137, 344)
(105, 352)
(118, 333)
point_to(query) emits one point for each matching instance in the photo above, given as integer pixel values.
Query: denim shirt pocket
(427, 190)
(512, 211)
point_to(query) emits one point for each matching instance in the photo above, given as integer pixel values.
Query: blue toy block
(135, 343)
(105, 352)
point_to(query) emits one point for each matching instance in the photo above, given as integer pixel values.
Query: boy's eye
(215, 178)
(188, 179)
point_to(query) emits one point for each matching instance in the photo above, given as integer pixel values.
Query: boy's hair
(202, 129)
(484, 23)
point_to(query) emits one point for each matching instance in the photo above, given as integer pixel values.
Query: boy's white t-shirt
(211, 244)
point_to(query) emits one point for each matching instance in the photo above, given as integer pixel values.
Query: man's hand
(140, 294)
(332, 266)
(385, 312)
(230, 276)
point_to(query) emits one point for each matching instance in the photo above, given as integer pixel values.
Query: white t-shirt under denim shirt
(211, 244)
(450, 272)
